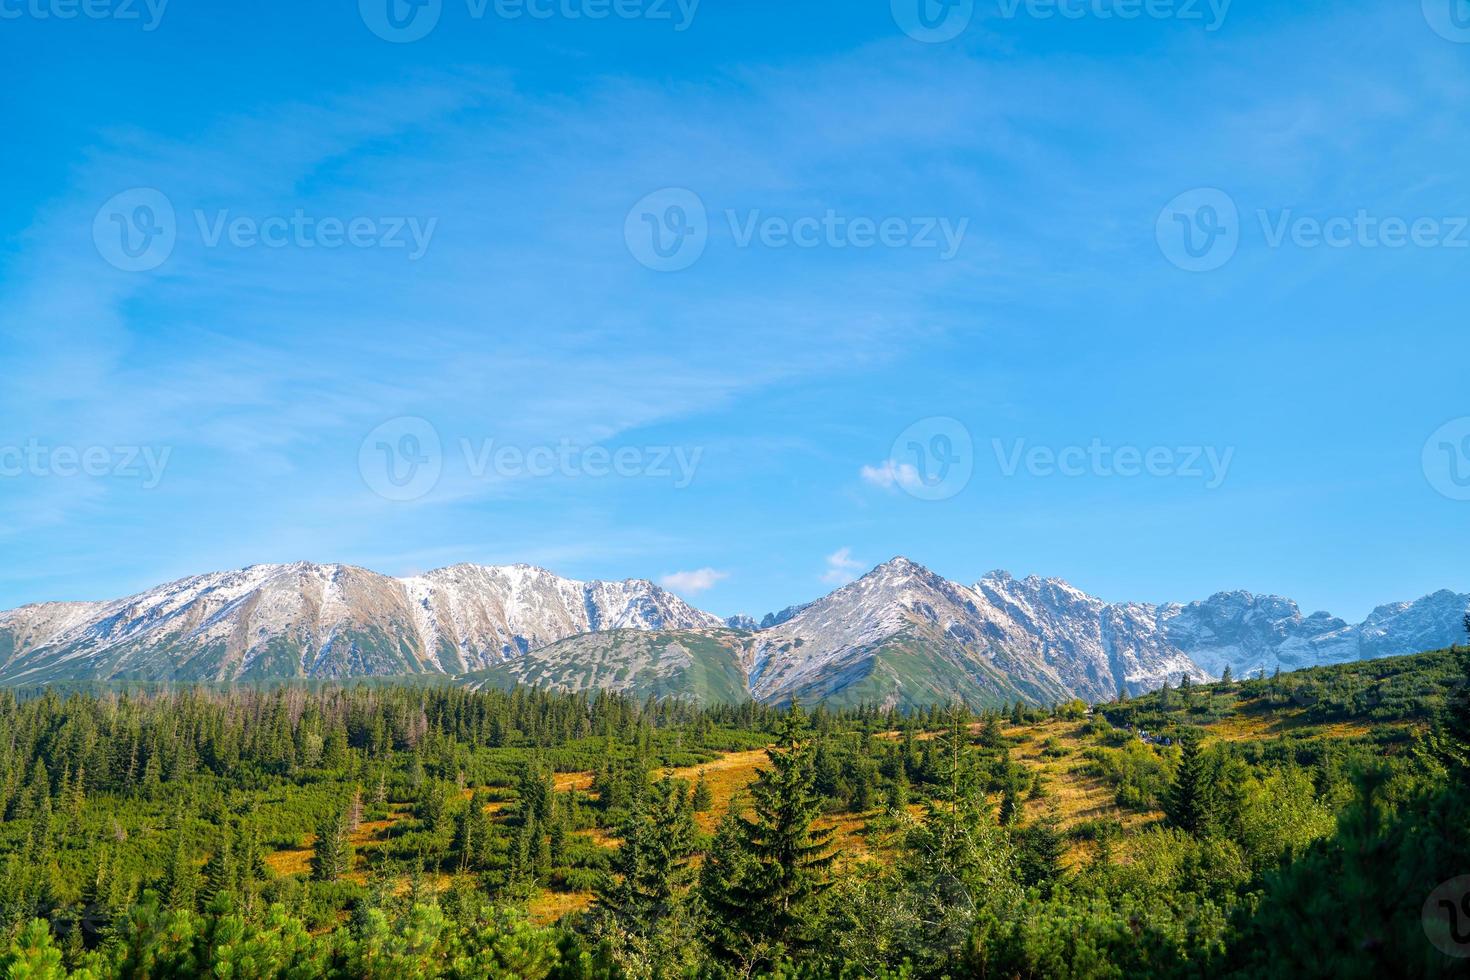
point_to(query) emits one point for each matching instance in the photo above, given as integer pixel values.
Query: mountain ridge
(900, 634)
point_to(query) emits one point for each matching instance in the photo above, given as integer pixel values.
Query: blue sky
(1162, 305)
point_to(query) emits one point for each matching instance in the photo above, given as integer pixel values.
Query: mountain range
(900, 635)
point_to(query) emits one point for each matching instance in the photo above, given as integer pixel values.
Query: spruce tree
(651, 868)
(860, 781)
(1010, 804)
(702, 799)
(1451, 736)
(768, 902)
(1039, 851)
(331, 856)
(181, 883)
(898, 794)
(221, 873)
(990, 734)
(1189, 802)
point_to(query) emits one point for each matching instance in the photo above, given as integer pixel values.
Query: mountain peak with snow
(900, 634)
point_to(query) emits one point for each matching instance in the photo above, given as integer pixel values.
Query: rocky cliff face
(306, 620)
(906, 635)
(900, 635)
(1250, 633)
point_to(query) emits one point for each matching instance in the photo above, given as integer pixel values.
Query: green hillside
(698, 665)
(1297, 826)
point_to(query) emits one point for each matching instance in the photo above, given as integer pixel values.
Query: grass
(1255, 721)
(1052, 747)
(368, 835)
(1072, 795)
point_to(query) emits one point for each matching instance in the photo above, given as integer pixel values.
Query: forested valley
(1285, 826)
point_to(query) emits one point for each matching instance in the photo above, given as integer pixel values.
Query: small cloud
(693, 583)
(890, 474)
(841, 567)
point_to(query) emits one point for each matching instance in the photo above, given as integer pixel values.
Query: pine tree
(1010, 804)
(332, 853)
(898, 794)
(1225, 676)
(354, 810)
(769, 902)
(181, 884)
(827, 774)
(728, 865)
(990, 734)
(1039, 852)
(1189, 803)
(651, 869)
(470, 830)
(860, 782)
(430, 807)
(221, 874)
(1451, 734)
(702, 799)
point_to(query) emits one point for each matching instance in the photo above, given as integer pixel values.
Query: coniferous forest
(1295, 825)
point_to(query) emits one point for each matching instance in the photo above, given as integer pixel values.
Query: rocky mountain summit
(308, 620)
(899, 635)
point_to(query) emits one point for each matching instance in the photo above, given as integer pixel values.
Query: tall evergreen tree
(767, 900)
(181, 882)
(1039, 850)
(702, 799)
(651, 868)
(331, 856)
(1189, 802)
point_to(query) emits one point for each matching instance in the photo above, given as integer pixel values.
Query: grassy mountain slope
(704, 665)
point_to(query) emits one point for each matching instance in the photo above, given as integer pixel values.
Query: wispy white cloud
(693, 583)
(891, 475)
(841, 567)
